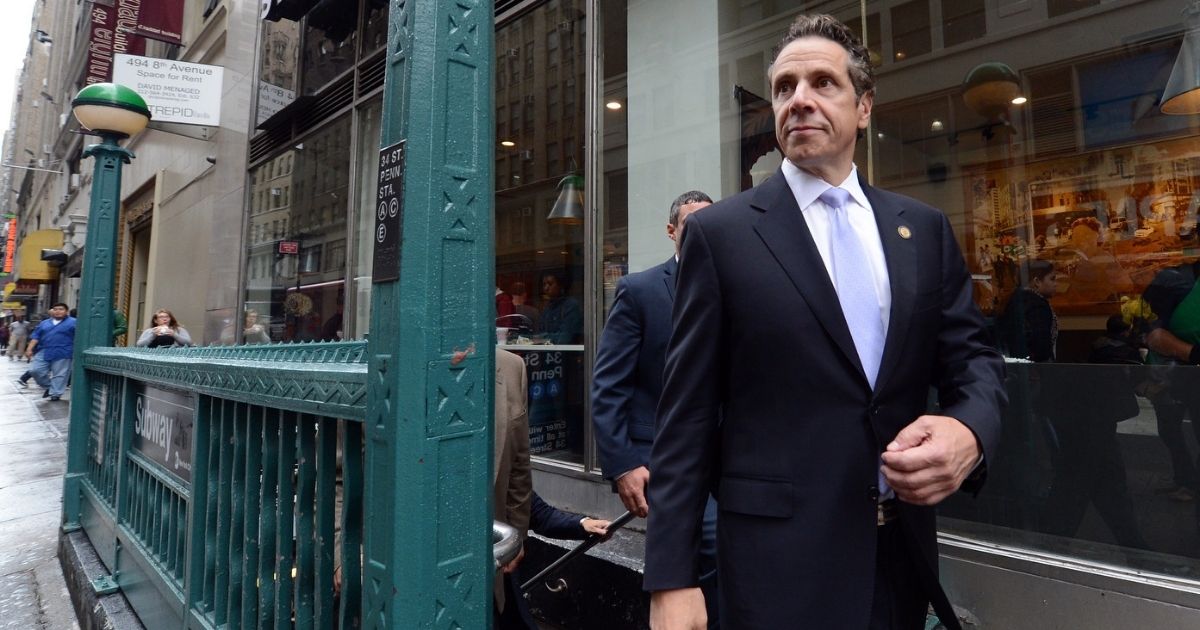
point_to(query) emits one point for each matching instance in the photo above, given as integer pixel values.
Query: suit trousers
(899, 603)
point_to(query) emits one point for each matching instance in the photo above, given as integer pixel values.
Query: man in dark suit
(627, 383)
(809, 325)
(629, 364)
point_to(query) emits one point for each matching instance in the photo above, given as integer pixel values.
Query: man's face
(550, 287)
(675, 232)
(58, 312)
(817, 115)
(1046, 286)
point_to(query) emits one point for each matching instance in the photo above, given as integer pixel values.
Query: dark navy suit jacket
(629, 368)
(764, 398)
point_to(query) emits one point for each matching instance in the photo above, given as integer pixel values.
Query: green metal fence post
(94, 326)
(427, 548)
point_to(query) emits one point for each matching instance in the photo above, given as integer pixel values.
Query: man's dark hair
(58, 304)
(829, 27)
(1036, 270)
(691, 196)
(560, 276)
(1116, 325)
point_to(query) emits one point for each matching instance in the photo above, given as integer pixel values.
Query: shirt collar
(806, 188)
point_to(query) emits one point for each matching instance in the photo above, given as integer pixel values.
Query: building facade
(182, 197)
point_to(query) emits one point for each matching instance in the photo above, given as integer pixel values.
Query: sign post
(431, 349)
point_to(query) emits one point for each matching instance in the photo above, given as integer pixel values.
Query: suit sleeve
(970, 373)
(520, 480)
(551, 522)
(684, 455)
(613, 384)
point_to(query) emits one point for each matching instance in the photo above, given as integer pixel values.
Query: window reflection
(296, 262)
(278, 79)
(330, 43)
(1076, 208)
(376, 26)
(540, 280)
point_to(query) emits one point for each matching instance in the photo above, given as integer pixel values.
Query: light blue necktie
(856, 293)
(855, 286)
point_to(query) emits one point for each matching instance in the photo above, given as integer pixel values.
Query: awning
(31, 265)
(74, 266)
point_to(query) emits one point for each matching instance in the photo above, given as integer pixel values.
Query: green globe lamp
(108, 108)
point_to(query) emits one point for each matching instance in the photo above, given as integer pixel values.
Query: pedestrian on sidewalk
(18, 337)
(53, 343)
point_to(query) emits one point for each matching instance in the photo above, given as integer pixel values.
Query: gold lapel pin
(904, 232)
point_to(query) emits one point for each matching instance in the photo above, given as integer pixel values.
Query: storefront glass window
(296, 263)
(1055, 156)
(540, 189)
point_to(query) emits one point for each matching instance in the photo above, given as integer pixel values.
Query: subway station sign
(175, 91)
(389, 214)
(162, 429)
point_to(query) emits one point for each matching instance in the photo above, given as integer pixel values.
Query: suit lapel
(783, 229)
(901, 256)
(669, 277)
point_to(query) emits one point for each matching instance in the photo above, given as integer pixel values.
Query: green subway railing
(219, 479)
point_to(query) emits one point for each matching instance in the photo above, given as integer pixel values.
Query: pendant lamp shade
(568, 208)
(990, 88)
(1182, 95)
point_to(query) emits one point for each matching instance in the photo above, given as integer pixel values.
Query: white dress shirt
(807, 188)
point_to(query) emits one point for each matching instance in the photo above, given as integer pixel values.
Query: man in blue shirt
(53, 343)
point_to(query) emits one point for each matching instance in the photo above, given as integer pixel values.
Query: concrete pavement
(33, 455)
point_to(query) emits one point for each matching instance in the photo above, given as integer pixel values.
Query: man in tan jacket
(512, 474)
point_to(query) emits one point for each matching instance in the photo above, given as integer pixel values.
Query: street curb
(81, 565)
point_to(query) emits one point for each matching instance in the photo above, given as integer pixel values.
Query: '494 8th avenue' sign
(162, 429)
(175, 91)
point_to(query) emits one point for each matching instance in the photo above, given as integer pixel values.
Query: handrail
(506, 543)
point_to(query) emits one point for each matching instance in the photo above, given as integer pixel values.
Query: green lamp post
(113, 112)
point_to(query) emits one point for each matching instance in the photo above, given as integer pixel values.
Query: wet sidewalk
(33, 455)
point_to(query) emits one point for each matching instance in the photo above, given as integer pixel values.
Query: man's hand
(929, 459)
(516, 562)
(632, 489)
(678, 609)
(595, 526)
